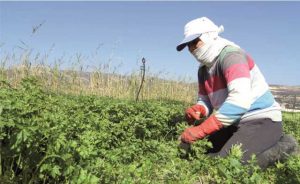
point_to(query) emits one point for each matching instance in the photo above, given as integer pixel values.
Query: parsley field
(47, 137)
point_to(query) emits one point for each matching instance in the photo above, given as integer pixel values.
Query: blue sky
(127, 31)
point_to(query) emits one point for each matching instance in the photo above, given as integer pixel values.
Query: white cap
(196, 28)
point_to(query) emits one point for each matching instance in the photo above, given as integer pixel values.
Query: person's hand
(194, 113)
(209, 126)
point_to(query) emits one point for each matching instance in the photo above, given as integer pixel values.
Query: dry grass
(97, 81)
(104, 81)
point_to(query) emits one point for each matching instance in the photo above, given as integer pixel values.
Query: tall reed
(102, 80)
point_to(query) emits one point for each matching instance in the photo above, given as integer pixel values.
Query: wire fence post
(143, 68)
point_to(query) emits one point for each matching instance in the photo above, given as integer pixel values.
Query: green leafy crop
(55, 138)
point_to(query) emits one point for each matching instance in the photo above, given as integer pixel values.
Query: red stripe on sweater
(237, 71)
(213, 84)
(233, 72)
(201, 90)
(250, 62)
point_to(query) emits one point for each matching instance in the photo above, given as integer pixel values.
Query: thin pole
(143, 78)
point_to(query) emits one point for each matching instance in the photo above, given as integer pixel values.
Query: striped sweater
(235, 88)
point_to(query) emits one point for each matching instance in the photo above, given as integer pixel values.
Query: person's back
(213, 85)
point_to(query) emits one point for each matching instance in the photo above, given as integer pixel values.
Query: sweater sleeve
(203, 98)
(236, 72)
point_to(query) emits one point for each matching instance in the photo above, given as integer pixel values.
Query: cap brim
(186, 40)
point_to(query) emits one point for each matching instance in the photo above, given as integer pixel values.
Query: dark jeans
(255, 136)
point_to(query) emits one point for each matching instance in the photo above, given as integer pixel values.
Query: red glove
(195, 112)
(209, 126)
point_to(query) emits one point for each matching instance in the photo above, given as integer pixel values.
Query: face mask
(202, 54)
(207, 54)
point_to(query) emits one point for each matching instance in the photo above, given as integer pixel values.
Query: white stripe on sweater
(258, 83)
(204, 100)
(239, 93)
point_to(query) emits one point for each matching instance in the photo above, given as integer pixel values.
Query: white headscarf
(213, 45)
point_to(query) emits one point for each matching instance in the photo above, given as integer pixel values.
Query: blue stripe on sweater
(266, 100)
(232, 111)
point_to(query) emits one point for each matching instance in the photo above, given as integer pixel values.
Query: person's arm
(205, 102)
(236, 71)
(202, 108)
(203, 98)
